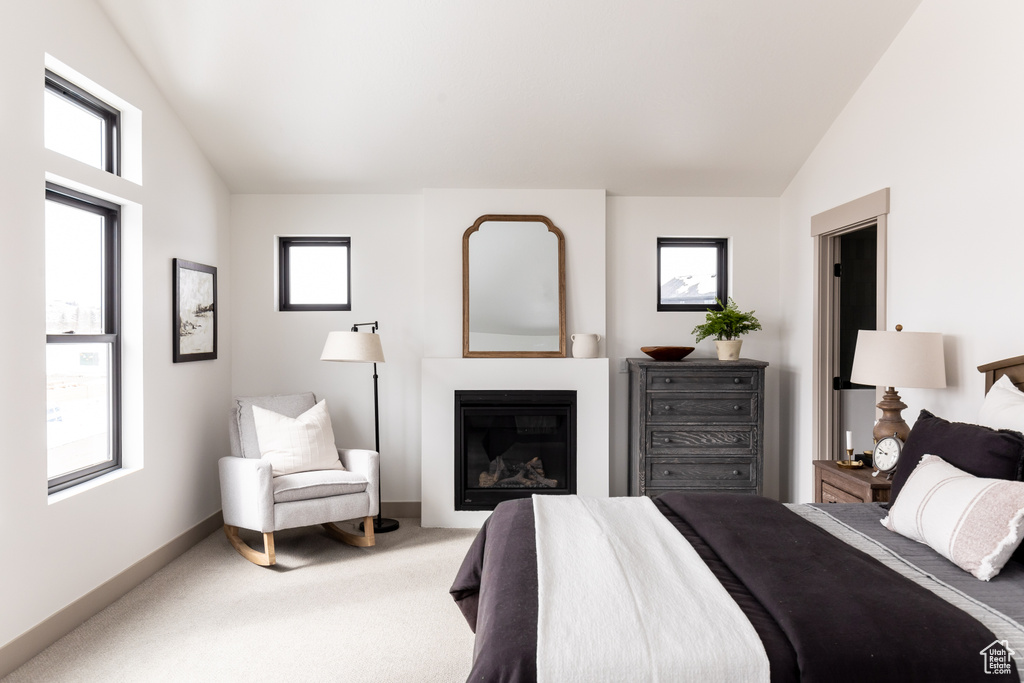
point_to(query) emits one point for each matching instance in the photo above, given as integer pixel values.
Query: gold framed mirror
(513, 288)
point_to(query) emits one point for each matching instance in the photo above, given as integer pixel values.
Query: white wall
(55, 552)
(939, 122)
(634, 225)
(279, 351)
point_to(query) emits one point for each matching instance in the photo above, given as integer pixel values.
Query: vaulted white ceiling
(641, 97)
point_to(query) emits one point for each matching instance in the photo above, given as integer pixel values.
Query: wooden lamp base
(891, 421)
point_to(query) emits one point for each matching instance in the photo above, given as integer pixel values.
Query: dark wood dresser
(696, 425)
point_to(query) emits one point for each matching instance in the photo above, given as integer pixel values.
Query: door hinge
(837, 383)
(837, 269)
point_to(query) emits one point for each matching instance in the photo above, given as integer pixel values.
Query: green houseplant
(727, 326)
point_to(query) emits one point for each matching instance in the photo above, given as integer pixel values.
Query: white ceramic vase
(728, 349)
(585, 345)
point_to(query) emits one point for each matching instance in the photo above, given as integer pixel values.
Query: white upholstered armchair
(253, 498)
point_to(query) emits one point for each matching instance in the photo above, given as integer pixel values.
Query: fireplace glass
(512, 444)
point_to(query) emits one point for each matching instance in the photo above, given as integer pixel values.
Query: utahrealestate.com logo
(997, 656)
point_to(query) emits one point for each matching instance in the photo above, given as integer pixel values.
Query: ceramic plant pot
(728, 349)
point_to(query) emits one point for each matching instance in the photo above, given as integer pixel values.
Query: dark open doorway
(856, 272)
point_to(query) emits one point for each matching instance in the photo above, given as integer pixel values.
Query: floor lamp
(362, 347)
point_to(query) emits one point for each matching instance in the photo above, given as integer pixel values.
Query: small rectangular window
(81, 126)
(314, 273)
(692, 273)
(82, 337)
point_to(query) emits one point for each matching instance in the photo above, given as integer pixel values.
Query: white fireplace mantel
(441, 377)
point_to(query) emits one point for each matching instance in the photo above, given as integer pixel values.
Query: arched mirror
(513, 288)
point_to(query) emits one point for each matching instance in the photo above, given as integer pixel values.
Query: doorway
(846, 235)
(856, 273)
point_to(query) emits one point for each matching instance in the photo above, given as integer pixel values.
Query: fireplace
(512, 444)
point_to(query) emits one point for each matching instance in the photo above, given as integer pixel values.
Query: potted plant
(727, 326)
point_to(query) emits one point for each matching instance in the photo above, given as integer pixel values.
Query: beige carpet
(326, 612)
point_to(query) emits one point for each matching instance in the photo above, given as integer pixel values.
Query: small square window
(692, 273)
(315, 273)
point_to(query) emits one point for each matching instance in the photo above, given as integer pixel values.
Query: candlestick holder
(850, 463)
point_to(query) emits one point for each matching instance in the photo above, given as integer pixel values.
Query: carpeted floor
(326, 612)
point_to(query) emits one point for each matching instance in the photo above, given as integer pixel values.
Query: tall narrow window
(82, 337)
(314, 273)
(80, 125)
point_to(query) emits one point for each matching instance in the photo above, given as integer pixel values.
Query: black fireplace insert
(512, 444)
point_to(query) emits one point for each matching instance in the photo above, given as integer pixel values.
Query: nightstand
(835, 484)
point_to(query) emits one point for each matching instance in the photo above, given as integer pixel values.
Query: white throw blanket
(624, 597)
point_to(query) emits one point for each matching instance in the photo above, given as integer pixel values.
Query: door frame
(826, 228)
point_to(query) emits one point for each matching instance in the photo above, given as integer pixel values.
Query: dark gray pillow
(977, 450)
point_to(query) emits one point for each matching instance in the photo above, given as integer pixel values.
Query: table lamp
(889, 359)
(363, 347)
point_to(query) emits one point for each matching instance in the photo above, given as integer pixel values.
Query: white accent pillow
(1003, 407)
(297, 444)
(975, 523)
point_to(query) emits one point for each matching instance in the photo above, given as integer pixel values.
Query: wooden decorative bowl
(667, 352)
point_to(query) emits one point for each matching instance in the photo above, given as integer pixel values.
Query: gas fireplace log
(532, 472)
(525, 475)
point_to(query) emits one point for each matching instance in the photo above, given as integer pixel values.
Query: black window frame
(111, 214)
(722, 246)
(284, 270)
(111, 116)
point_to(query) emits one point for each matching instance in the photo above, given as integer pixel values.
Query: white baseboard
(39, 637)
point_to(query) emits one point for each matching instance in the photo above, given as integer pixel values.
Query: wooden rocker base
(264, 559)
(364, 541)
(267, 557)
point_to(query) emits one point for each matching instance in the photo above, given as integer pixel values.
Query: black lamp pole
(380, 524)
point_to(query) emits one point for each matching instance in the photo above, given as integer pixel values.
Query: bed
(829, 593)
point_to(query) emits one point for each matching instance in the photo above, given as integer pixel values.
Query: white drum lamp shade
(897, 359)
(356, 347)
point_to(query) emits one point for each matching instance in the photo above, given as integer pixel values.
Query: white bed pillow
(975, 523)
(297, 444)
(1003, 407)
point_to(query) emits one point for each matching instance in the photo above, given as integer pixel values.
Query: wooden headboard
(1013, 367)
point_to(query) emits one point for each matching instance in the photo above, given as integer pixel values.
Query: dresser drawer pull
(736, 472)
(735, 407)
(736, 380)
(666, 472)
(668, 380)
(668, 407)
(667, 440)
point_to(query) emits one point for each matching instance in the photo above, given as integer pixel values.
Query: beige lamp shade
(899, 359)
(356, 347)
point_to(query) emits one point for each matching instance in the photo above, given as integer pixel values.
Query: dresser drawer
(672, 473)
(703, 408)
(703, 380)
(703, 441)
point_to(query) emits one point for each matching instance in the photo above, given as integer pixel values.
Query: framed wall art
(692, 273)
(195, 311)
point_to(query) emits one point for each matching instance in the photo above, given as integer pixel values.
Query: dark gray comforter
(824, 611)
